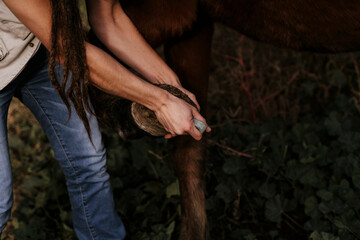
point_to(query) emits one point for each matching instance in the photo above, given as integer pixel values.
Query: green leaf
(324, 194)
(306, 160)
(309, 177)
(311, 206)
(31, 182)
(139, 153)
(152, 187)
(170, 230)
(173, 189)
(339, 223)
(273, 234)
(324, 208)
(232, 165)
(267, 190)
(117, 183)
(224, 192)
(350, 141)
(274, 207)
(329, 236)
(40, 199)
(250, 236)
(323, 236)
(356, 180)
(315, 236)
(333, 124)
(15, 142)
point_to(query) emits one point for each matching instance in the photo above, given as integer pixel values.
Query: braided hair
(67, 40)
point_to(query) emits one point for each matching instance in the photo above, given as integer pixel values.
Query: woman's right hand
(177, 118)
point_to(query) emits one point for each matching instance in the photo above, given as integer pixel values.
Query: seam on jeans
(92, 233)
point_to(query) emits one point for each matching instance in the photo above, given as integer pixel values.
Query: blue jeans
(84, 164)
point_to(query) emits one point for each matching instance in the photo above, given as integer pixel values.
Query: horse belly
(322, 25)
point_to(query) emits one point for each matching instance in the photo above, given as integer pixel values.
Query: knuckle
(187, 127)
(179, 132)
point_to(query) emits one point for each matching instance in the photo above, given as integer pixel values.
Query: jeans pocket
(3, 50)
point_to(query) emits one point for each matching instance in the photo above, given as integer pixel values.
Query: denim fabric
(84, 164)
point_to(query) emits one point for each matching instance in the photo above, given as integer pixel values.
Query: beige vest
(17, 46)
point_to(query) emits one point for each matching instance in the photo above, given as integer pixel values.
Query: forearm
(110, 76)
(122, 38)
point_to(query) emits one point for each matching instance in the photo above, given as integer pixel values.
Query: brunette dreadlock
(67, 40)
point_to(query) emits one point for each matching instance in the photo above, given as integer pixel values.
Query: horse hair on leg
(189, 57)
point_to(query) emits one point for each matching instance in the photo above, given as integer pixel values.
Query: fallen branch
(263, 100)
(245, 85)
(230, 149)
(230, 121)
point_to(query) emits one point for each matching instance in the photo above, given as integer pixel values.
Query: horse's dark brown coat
(326, 26)
(185, 28)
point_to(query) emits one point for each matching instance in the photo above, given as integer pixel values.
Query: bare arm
(113, 27)
(109, 75)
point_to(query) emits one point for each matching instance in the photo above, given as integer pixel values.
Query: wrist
(160, 99)
(168, 77)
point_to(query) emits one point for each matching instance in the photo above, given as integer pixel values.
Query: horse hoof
(146, 119)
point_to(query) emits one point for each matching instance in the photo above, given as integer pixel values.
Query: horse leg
(189, 57)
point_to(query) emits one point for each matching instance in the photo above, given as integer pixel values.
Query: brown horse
(185, 28)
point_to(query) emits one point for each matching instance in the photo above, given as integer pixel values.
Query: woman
(57, 95)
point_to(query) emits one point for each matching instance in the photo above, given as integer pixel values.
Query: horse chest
(159, 20)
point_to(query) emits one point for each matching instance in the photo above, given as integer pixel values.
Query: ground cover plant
(283, 156)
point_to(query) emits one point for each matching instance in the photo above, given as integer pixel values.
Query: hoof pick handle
(199, 125)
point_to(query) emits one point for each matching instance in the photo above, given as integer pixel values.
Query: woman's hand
(174, 81)
(177, 118)
(190, 95)
(178, 85)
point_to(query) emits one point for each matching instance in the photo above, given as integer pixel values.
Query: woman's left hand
(190, 95)
(176, 83)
